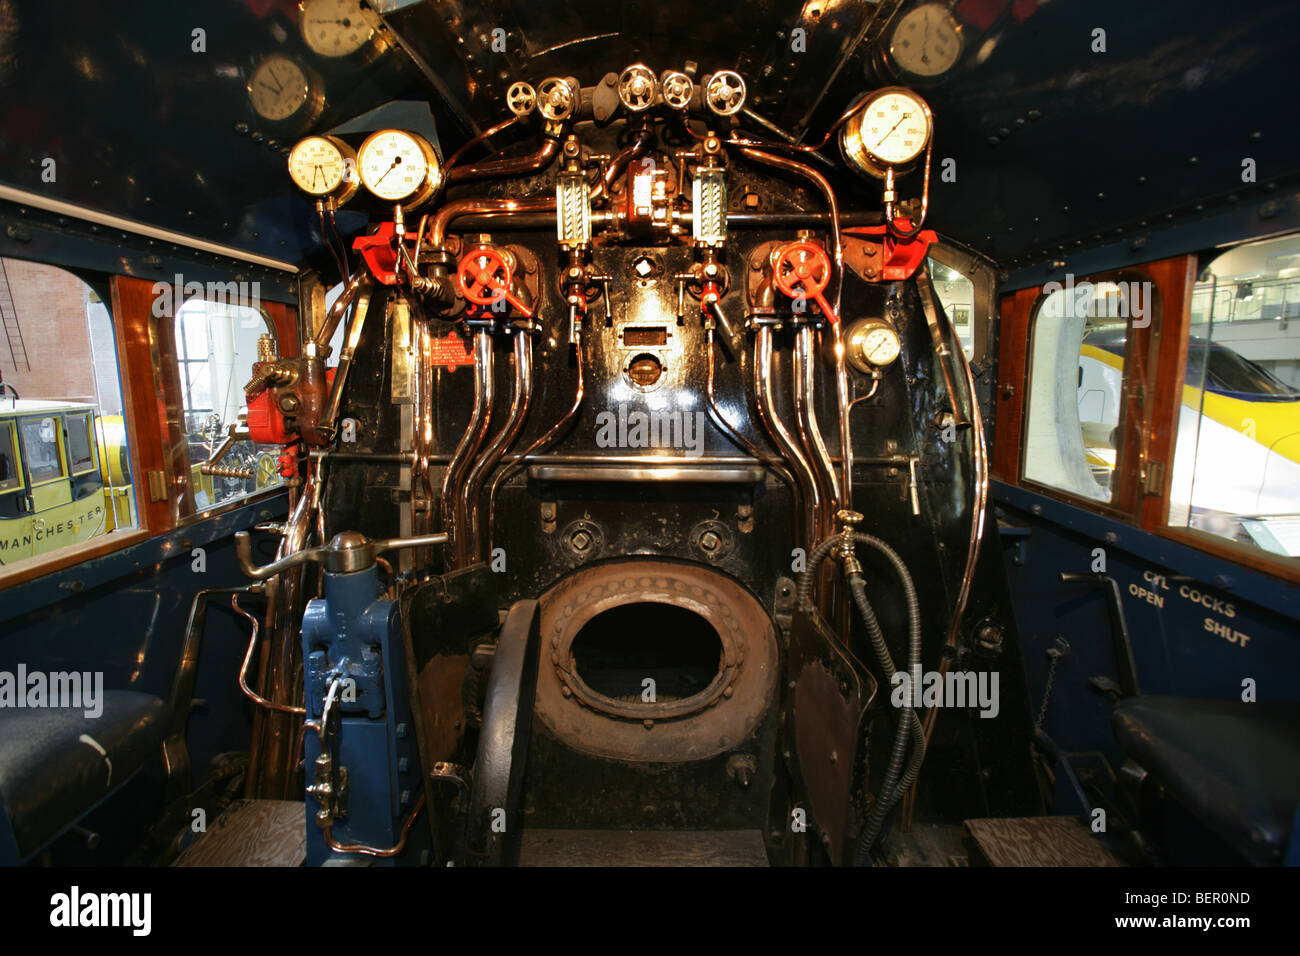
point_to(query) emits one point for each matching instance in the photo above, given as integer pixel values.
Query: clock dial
(927, 41)
(278, 88)
(335, 28)
(324, 166)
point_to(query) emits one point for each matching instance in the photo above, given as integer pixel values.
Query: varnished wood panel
(252, 833)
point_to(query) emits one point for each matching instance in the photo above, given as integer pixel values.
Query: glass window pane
(41, 448)
(1237, 460)
(1076, 381)
(957, 296)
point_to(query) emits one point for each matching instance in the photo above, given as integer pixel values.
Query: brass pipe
(809, 430)
(736, 437)
(534, 162)
(809, 504)
(340, 306)
(520, 402)
(618, 165)
(488, 208)
(365, 850)
(542, 443)
(491, 131)
(248, 659)
(468, 445)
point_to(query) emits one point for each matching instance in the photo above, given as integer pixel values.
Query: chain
(1055, 655)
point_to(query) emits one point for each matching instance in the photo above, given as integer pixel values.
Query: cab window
(1075, 408)
(216, 346)
(1236, 472)
(40, 439)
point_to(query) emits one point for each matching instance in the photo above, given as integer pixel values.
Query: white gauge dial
(278, 87)
(873, 344)
(891, 129)
(335, 28)
(397, 166)
(324, 166)
(927, 41)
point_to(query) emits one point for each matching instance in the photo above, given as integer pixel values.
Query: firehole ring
(689, 726)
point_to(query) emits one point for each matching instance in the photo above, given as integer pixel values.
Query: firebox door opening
(618, 650)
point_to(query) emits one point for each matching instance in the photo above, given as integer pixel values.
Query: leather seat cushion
(49, 776)
(1234, 766)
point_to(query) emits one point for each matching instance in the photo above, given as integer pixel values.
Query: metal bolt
(710, 542)
(580, 541)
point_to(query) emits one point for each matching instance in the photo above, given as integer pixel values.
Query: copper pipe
(620, 162)
(340, 306)
(248, 659)
(482, 207)
(520, 402)
(362, 848)
(810, 503)
(809, 430)
(738, 439)
(837, 251)
(474, 141)
(468, 445)
(533, 162)
(542, 443)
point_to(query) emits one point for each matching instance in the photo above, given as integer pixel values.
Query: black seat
(1234, 766)
(50, 777)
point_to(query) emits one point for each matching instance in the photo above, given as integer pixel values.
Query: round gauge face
(323, 166)
(335, 28)
(278, 87)
(397, 166)
(893, 127)
(927, 41)
(874, 345)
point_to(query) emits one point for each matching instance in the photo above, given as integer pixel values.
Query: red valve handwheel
(484, 279)
(803, 270)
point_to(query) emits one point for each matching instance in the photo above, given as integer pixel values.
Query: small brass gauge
(325, 166)
(872, 344)
(926, 43)
(890, 130)
(336, 29)
(282, 90)
(399, 167)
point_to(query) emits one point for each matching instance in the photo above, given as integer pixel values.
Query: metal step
(642, 848)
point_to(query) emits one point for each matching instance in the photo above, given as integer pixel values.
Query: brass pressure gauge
(872, 344)
(339, 28)
(399, 167)
(926, 43)
(325, 166)
(890, 130)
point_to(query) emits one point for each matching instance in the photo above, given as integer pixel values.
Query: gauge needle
(396, 161)
(892, 128)
(319, 172)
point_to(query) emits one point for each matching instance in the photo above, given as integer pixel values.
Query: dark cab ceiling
(1055, 145)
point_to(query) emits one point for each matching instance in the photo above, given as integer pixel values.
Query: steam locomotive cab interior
(823, 433)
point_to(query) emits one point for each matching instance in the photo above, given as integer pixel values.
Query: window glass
(957, 296)
(1237, 460)
(216, 346)
(1076, 384)
(65, 475)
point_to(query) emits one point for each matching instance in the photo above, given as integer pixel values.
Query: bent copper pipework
(837, 251)
(488, 133)
(488, 208)
(335, 314)
(810, 505)
(619, 164)
(395, 850)
(533, 162)
(540, 445)
(520, 402)
(736, 438)
(248, 660)
(809, 431)
(480, 417)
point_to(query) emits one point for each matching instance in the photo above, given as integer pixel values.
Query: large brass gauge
(399, 167)
(890, 130)
(325, 167)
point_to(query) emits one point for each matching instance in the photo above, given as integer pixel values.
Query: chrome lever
(348, 551)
